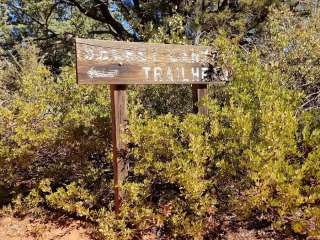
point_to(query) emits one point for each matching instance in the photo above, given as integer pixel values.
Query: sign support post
(199, 91)
(119, 121)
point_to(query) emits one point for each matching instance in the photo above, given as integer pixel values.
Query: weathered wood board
(111, 62)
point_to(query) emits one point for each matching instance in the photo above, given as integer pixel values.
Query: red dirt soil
(29, 229)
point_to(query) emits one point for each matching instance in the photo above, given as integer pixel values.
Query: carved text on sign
(142, 56)
(109, 62)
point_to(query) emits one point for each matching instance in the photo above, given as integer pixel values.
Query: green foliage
(252, 142)
(260, 147)
(72, 199)
(49, 126)
(294, 43)
(170, 165)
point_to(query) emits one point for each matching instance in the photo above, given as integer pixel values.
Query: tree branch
(117, 26)
(136, 4)
(92, 13)
(310, 99)
(43, 25)
(50, 13)
(103, 8)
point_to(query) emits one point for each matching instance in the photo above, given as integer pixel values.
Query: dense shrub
(251, 148)
(49, 126)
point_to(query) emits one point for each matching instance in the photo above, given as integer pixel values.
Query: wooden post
(199, 91)
(119, 121)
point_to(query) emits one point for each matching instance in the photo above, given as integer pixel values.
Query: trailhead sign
(113, 62)
(122, 63)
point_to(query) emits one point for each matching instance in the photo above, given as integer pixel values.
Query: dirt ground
(63, 228)
(27, 228)
(30, 229)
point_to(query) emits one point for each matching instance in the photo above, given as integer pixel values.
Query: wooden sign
(123, 63)
(111, 62)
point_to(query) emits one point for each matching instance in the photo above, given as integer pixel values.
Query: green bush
(251, 143)
(261, 141)
(49, 126)
(170, 182)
